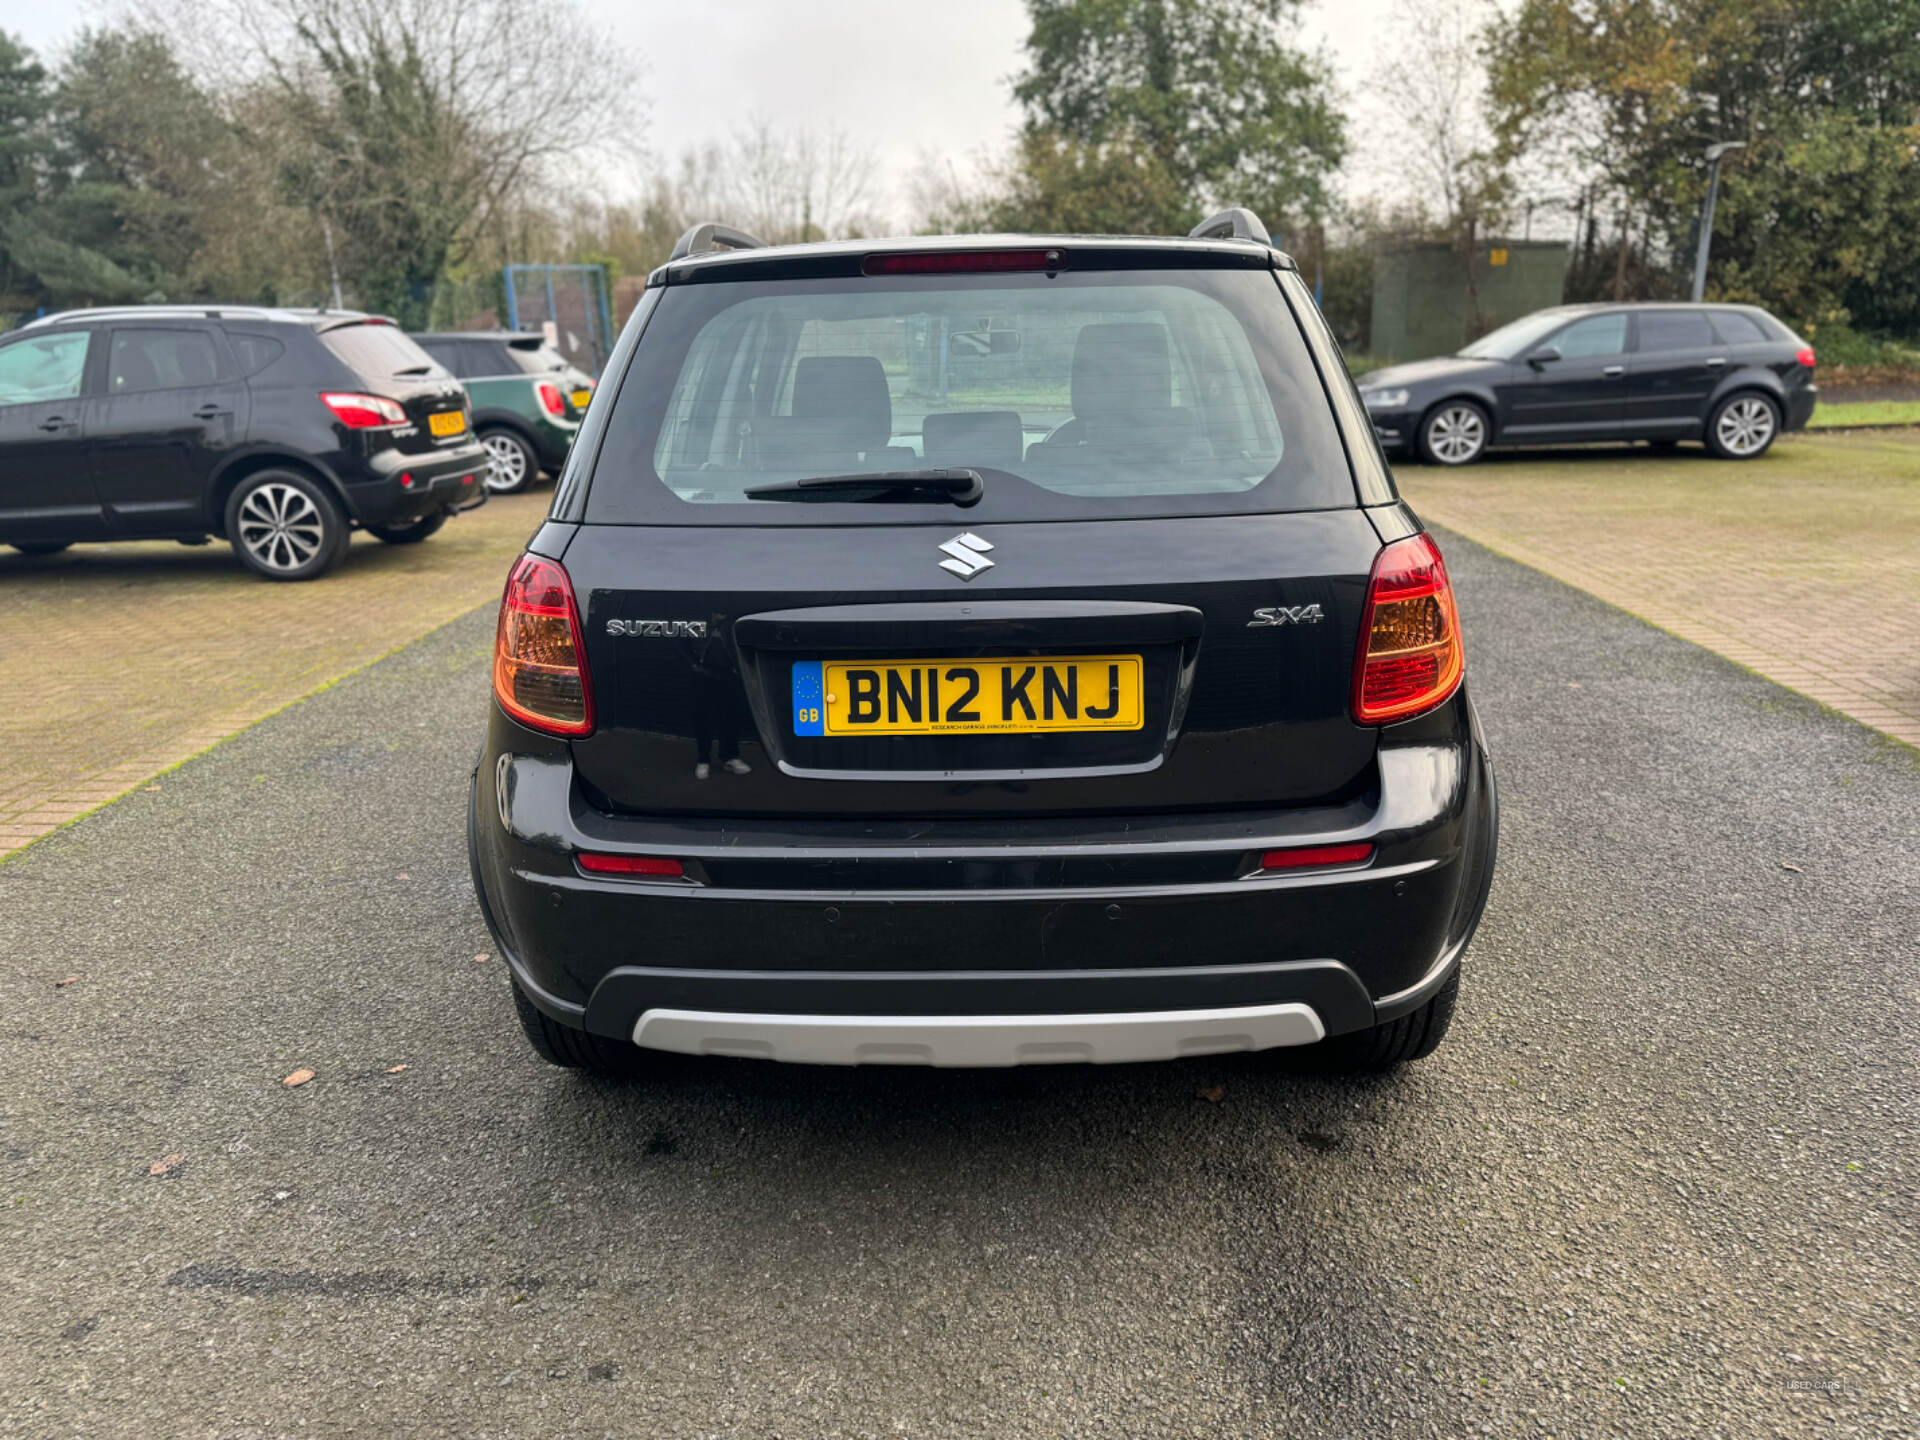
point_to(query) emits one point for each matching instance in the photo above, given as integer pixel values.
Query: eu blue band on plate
(809, 699)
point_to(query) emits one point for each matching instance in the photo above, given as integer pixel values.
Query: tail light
(1411, 658)
(551, 399)
(962, 262)
(1804, 356)
(539, 660)
(363, 412)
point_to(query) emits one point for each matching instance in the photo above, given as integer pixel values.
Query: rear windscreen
(379, 352)
(536, 357)
(1077, 395)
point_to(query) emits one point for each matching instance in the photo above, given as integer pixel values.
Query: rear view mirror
(1545, 355)
(985, 342)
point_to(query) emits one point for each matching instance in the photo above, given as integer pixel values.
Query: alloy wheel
(281, 526)
(1457, 434)
(506, 463)
(1745, 426)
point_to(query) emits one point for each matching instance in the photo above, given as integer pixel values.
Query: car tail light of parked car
(551, 398)
(364, 412)
(1411, 658)
(1804, 356)
(539, 660)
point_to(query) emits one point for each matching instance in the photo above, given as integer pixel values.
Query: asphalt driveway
(1661, 1181)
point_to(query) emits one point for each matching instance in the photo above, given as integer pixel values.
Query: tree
(1816, 215)
(1207, 95)
(407, 127)
(1432, 85)
(52, 221)
(192, 205)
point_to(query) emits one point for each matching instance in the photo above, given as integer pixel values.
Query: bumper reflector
(1307, 857)
(653, 865)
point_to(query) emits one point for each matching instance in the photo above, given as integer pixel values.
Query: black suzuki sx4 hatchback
(981, 651)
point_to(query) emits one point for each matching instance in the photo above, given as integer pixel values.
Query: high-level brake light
(539, 659)
(963, 262)
(363, 412)
(1411, 658)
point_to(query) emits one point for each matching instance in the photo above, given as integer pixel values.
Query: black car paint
(1635, 395)
(159, 464)
(1065, 877)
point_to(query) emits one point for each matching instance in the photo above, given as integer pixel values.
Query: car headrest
(848, 390)
(1121, 369)
(979, 437)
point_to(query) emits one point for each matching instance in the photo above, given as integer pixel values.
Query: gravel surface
(1660, 1181)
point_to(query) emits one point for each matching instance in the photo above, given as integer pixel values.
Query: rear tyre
(1413, 1036)
(573, 1049)
(1455, 433)
(511, 463)
(285, 526)
(409, 534)
(39, 547)
(1743, 426)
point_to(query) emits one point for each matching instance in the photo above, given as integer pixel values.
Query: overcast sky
(906, 75)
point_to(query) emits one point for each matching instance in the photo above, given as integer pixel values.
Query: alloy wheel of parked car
(1455, 434)
(511, 465)
(1743, 427)
(285, 527)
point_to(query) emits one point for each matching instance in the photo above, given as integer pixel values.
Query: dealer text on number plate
(967, 697)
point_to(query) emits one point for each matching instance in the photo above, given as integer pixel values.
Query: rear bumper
(1800, 406)
(392, 488)
(1101, 1038)
(860, 930)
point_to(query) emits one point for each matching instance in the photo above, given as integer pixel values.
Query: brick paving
(1799, 566)
(119, 661)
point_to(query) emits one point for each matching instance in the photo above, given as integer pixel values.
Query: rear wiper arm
(414, 370)
(961, 487)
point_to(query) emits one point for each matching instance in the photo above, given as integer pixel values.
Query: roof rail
(710, 235)
(1239, 223)
(162, 311)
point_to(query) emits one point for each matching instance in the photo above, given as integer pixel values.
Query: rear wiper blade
(414, 370)
(961, 487)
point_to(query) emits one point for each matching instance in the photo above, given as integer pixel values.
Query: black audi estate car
(980, 651)
(1730, 376)
(275, 430)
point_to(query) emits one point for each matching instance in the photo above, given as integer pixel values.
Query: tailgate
(850, 674)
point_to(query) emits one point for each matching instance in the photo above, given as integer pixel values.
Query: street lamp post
(1714, 154)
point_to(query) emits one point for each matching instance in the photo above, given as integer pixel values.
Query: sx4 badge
(1286, 615)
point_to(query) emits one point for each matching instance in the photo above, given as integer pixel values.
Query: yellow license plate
(447, 422)
(580, 398)
(967, 697)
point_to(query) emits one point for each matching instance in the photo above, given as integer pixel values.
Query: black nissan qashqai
(980, 651)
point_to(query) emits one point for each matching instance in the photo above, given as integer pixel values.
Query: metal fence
(572, 299)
